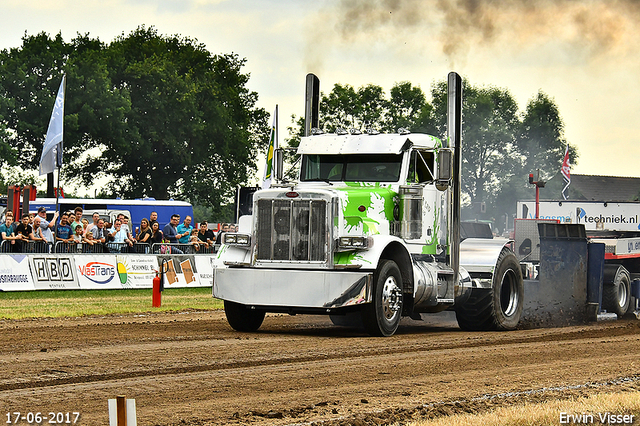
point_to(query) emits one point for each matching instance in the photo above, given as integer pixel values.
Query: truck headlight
(354, 243)
(243, 240)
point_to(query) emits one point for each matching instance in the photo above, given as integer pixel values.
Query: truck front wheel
(241, 318)
(382, 316)
(497, 308)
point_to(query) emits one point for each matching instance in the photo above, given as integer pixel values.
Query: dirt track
(191, 368)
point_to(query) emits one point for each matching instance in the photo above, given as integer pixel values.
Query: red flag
(566, 172)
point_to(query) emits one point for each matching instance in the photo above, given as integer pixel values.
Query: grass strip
(604, 408)
(76, 303)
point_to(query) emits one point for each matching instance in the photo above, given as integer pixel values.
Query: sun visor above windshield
(358, 144)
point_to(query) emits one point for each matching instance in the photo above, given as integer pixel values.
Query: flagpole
(275, 172)
(59, 154)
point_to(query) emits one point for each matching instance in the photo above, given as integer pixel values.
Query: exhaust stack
(311, 104)
(454, 133)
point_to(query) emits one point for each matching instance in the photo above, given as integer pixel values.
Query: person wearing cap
(45, 225)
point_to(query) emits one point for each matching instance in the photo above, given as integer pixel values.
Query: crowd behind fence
(86, 248)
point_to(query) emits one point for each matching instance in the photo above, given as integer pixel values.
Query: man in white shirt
(45, 225)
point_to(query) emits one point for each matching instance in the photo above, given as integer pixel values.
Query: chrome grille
(291, 230)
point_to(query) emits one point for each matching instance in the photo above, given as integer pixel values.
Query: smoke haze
(588, 30)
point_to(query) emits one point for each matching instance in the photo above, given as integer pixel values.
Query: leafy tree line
(501, 145)
(159, 115)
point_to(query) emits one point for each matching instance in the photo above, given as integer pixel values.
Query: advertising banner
(205, 265)
(51, 272)
(97, 272)
(593, 215)
(21, 272)
(14, 273)
(115, 271)
(180, 271)
(136, 271)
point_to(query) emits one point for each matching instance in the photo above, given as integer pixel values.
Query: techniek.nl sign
(593, 215)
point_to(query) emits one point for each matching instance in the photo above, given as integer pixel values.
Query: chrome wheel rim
(509, 293)
(391, 298)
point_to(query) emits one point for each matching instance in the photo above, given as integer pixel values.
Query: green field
(76, 303)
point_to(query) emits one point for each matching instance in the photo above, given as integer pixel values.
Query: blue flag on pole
(52, 149)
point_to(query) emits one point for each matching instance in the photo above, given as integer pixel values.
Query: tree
(339, 109)
(193, 127)
(367, 107)
(7, 153)
(489, 130)
(406, 107)
(159, 115)
(542, 140)
(29, 81)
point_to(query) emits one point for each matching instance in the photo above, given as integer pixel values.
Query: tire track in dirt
(307, 356)
(299, 369)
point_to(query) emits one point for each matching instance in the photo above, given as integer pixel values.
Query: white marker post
(122, 412)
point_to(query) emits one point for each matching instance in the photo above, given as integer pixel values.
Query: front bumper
(293, 288)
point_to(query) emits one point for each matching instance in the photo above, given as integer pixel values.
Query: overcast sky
(582, 53)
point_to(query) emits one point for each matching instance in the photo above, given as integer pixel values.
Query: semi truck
(368, 233)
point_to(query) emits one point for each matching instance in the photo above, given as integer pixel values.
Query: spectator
(120, 235)
(125, 225)
(156, 234)
(15, 222)
(100, 234)
(107, 229)
(206, 235)
(170, 230)
(225, 228)
(153, 217)
(45, 226)
(7, 234)
(77, 236)
(63, 231)
(85, 224)
(195, 241)
(37, 233)
(144, 236)
(89, 242)
(24, 231)
(77, 219)
(184, 231)
(94, 217)
(37, 236)
(64, 234)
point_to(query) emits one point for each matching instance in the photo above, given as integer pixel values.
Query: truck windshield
(352, 168)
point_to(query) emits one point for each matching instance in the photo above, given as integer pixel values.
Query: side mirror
(445, 169)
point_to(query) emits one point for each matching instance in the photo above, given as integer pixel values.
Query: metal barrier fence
(20, 246)
(170, 248)
(73, 247)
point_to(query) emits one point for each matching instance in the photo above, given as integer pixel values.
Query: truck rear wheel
(616, 290)
(241, 318)
(382, 316)
(497, 308)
